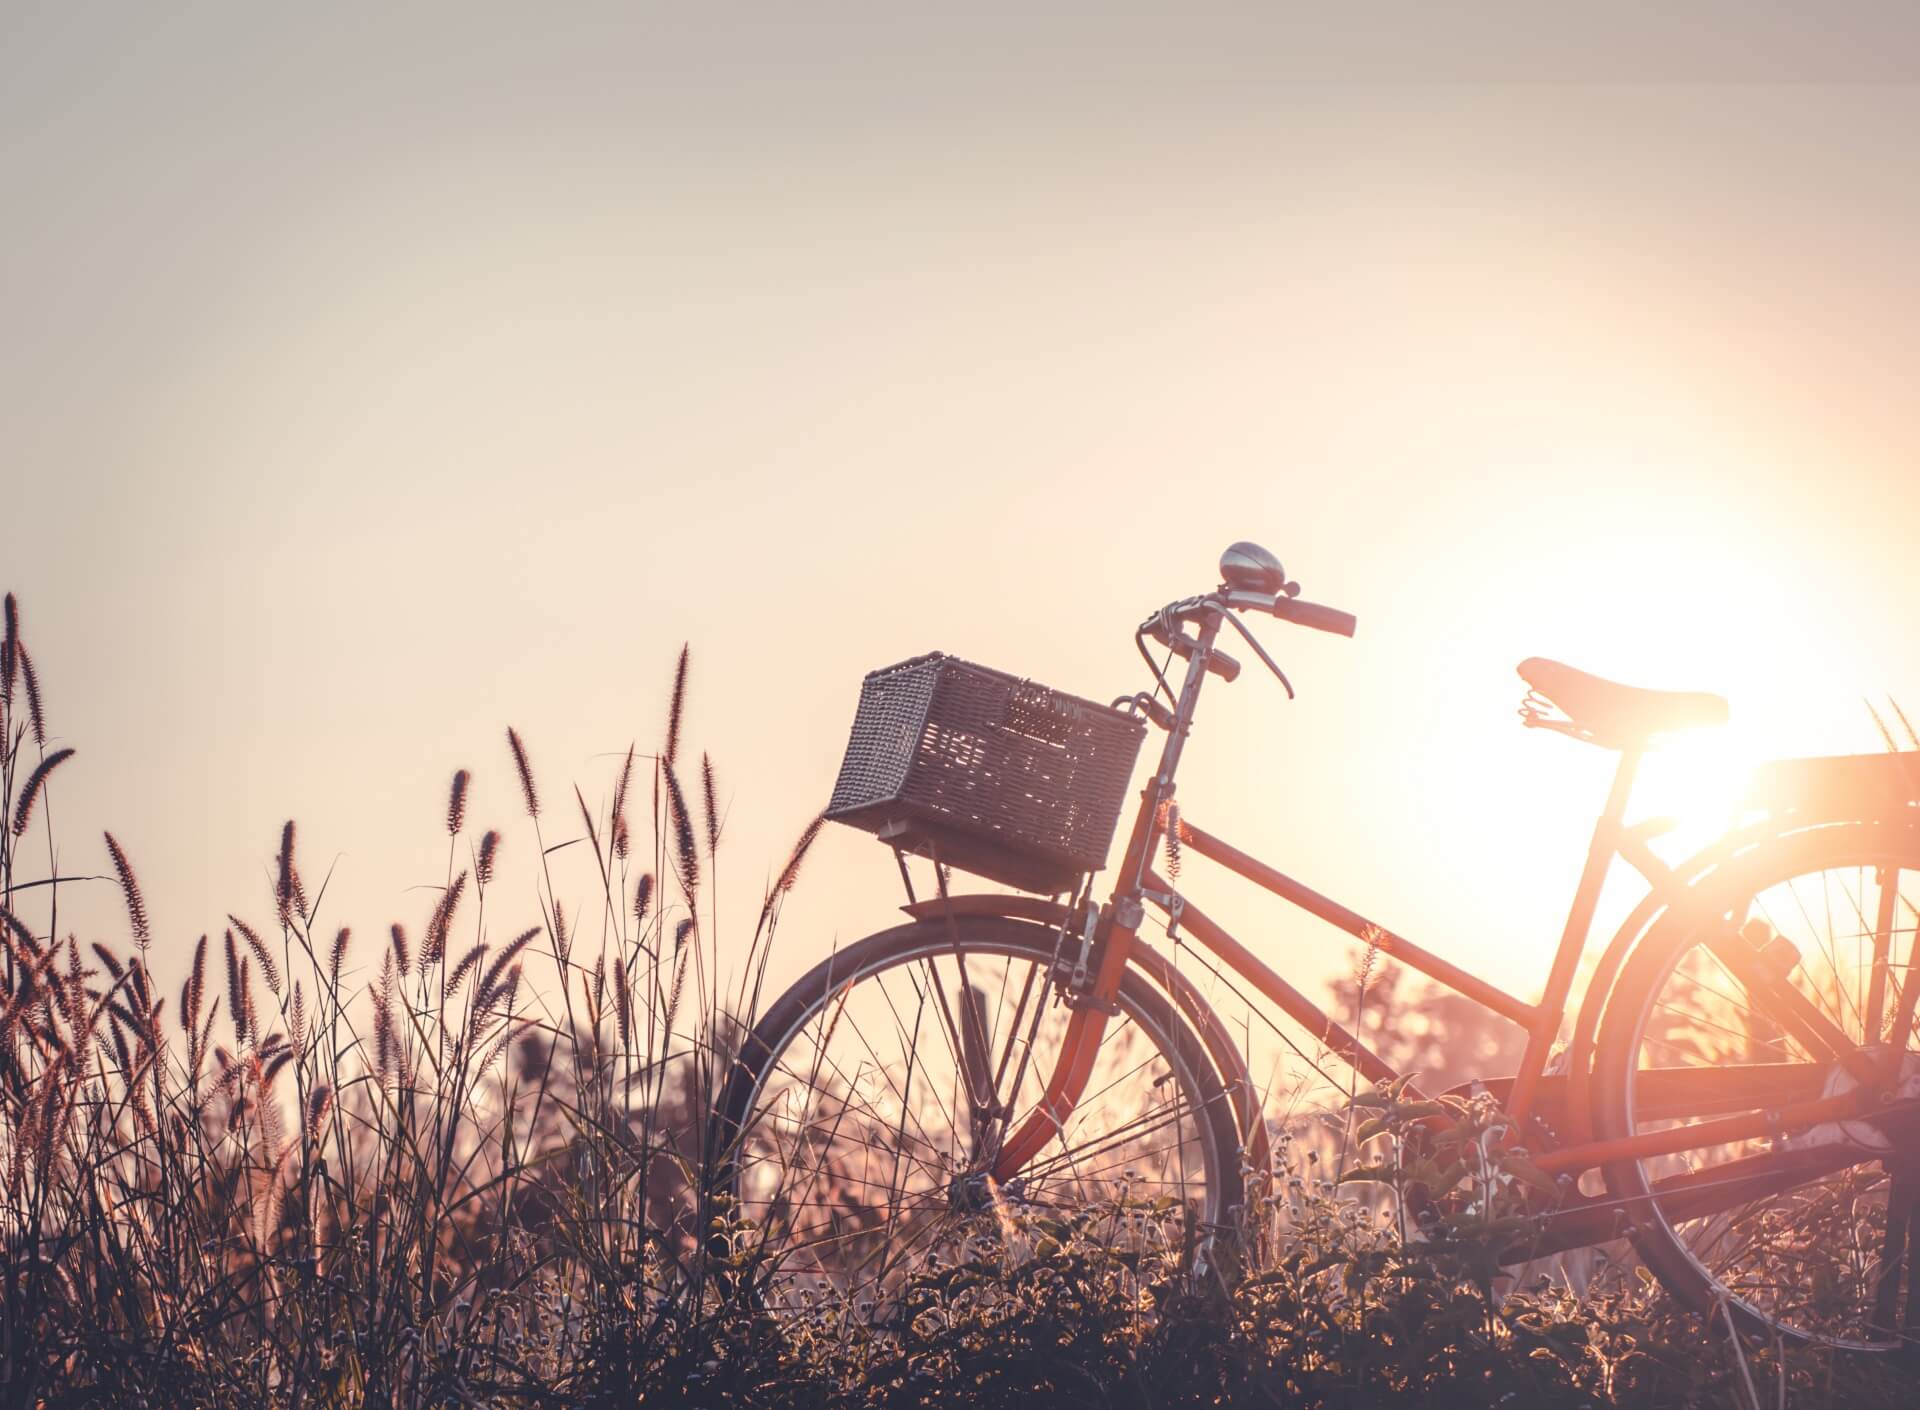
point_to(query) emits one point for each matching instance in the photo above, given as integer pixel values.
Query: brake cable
(1159, 672)
(1254, 642)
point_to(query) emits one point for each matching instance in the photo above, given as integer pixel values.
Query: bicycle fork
(1079, 1048)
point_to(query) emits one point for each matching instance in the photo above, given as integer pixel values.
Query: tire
(850, 1164)
(1809, 1262)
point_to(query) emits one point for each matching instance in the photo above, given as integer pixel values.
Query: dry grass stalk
(642, 898)
(269, 968)
(441, 925)
(31, 790)
(36, 709)
(457, 801)
(685, 852)
(524, 769)
(711, 802)
(9, 649)
(622, 841)
(676, 707)
(337, 954)
(288, 890)
(130, 892)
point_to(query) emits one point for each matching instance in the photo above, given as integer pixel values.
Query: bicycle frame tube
(1573, 939)
(1395, 946)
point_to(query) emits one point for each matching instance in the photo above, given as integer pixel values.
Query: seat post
(1573, 939)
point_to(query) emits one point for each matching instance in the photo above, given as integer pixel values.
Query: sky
(371, 380)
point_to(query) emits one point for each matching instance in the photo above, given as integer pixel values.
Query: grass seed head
(524, 769)
(457, 801)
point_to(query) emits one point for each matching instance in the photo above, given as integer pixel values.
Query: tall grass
(444, 1164)
(459, 1161)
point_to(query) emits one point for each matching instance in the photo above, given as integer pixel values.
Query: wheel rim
(859, 1157)
(1810, 1261)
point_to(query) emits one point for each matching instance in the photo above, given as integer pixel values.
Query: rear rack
(1838, 786)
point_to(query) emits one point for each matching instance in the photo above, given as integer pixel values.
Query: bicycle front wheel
(1802, 1229)
(866, 1107)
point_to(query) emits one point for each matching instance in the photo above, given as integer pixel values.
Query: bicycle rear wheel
(1800, 1231)
(866, 1106)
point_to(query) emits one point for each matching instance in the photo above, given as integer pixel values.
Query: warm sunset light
(861, 705)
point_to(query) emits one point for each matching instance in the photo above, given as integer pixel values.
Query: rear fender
(1228, 1061)
(1838, 787)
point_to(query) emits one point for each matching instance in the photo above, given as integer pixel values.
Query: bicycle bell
(1247, 567)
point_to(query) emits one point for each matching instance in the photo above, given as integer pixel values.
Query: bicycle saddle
(1606, 712)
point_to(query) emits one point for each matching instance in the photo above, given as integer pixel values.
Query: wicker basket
(988, 773)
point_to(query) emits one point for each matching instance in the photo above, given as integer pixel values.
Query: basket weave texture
(986, 772)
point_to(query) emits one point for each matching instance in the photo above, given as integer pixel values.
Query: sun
(1698, 781)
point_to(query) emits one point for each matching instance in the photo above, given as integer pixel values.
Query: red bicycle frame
(1787, 1095)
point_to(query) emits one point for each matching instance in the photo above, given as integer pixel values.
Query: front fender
(1228, 1061)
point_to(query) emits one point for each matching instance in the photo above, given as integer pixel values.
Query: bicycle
(1741, 1076)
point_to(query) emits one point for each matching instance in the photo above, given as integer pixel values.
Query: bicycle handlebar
(1165, 625)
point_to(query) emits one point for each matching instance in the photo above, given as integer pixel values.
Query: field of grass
(479, 1177)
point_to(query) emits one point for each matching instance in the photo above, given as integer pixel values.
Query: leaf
(1525, 1169)
(1379, 1173)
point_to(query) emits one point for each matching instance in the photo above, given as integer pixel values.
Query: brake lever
(1170, 635)
(1261, 651)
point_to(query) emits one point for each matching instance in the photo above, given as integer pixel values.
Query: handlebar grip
(1182, 645)
(1312, 614)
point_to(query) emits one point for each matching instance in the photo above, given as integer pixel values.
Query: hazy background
(370, 382)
